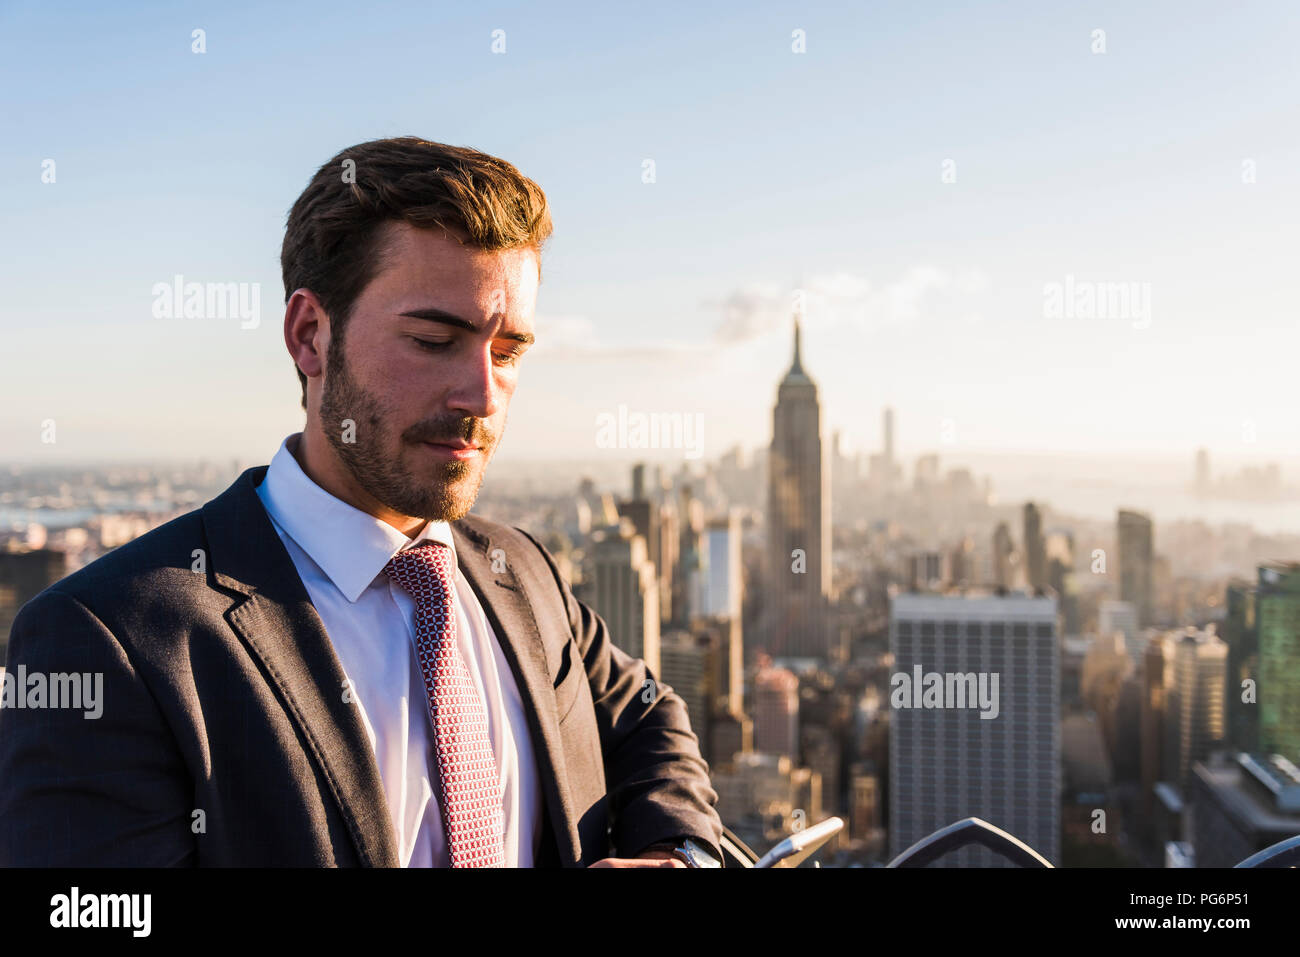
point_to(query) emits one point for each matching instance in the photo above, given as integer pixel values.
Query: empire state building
(798, 520)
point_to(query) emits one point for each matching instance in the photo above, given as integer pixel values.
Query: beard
(445, 493)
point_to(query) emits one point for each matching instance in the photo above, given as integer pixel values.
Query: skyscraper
(1202, 472)
(1004, 557)
(1240, 634)
(1113, 616)
(1196, 699)
(1278, 621)
(690, 664)
(642, 511)
(1035, 547)
(947, 763)
(724, 601)
(884, 474)
(889, 436)
(1136, 564)
(1060, 576)
(691, 571)
(1154, 759)
(722, 593)
(889, 466)
(644, 514)
(1106, 667)
(962, 563)
(624, 591)
(665, 558)
(1241, 806)
(776, 712)
(798, 517)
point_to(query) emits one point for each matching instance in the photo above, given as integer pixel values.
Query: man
(332, 662)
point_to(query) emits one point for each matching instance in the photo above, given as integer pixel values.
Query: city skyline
(1034, 762)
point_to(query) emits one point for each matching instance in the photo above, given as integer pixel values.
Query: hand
(648, 859)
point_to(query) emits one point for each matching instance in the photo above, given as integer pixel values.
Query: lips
(459, 444)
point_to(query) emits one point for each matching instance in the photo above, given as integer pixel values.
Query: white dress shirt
(340, 553)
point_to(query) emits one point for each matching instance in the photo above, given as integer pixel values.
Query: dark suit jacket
(222, 694)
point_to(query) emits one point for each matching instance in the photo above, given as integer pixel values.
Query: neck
(322, 466)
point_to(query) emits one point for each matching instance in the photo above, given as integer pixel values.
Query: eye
(437, 345)
(432, 345)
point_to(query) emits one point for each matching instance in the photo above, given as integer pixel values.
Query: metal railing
(974, 831)
(965, 833)
(736, 853)
(1282, 854)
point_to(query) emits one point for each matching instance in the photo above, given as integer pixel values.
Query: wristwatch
(689, 850)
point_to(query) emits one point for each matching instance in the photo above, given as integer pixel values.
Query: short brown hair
(331, 239)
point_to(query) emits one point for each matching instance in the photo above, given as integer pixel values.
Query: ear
(306, 332)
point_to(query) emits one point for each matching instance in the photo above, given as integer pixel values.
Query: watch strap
(674, 844)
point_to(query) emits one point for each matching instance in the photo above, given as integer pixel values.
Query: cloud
(920, 293)
(752, 312)
(833, 299)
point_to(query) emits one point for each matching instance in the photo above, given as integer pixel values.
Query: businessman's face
(427, 367)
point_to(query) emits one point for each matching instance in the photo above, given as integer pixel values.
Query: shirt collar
(350, 546)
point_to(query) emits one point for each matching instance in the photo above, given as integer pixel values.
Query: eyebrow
(451, 319)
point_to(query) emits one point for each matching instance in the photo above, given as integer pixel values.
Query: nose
(475, 391)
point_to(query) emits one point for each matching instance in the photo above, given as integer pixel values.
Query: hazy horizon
(1079, 486)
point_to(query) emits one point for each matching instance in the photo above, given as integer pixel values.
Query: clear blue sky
(773, 169)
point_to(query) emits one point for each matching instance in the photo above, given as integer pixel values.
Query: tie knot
(426, 571)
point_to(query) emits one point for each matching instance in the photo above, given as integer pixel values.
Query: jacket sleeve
(93, 785)
(657, 781)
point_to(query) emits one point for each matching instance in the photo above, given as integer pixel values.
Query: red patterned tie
(471, 791)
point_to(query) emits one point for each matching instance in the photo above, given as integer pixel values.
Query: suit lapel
(515, 626)
(276, 620)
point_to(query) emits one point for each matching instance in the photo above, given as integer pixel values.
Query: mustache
(472, 431)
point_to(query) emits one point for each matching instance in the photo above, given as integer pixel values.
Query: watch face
(699, 857)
